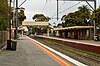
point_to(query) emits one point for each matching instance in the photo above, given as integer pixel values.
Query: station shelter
(76, 32)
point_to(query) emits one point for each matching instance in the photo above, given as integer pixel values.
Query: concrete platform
(27, 54)
(87, 45)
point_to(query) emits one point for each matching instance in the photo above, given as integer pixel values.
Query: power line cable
(44, 6)
(70, 7)
(61, 5)
(22, 3)
(67, 8)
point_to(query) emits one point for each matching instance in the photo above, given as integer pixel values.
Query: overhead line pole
(16, 23)
(57, 9)
(10, 20)
(95, 35)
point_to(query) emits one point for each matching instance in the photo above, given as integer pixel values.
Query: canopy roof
(32, 23)
(74, 27)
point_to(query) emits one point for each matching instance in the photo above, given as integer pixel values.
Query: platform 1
(29, 53)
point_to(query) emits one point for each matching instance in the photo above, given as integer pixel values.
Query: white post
(22, 33)
(48, 32)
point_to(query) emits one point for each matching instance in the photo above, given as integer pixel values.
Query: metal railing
(3, 38)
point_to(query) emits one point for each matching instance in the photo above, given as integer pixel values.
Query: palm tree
(84, 14)
(79, 17)
(97, 16)
(21, 17)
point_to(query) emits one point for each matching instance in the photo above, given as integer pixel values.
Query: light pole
(16, 23)
(57, 9)
(10, 19)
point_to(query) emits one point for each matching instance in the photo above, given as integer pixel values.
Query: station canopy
(73, 27)
(32, 23)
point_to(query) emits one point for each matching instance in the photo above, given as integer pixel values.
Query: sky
(49, 8)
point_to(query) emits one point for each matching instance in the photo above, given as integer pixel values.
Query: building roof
(73, 27)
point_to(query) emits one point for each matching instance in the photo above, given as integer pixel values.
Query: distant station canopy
(73, 27)
(32, 23)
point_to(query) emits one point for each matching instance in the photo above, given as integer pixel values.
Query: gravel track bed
(91, 59)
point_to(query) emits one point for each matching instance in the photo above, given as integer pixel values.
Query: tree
(21, 16)
(97, 16)
(4, 14)
(69, 20)
(84, 14)
(78, 17)
(59, 25)
(40, 17)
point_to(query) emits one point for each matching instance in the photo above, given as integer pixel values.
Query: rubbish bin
(96, 38)
(14, 45)
(8, 45)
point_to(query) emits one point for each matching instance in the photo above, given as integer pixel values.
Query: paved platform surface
(27, 54)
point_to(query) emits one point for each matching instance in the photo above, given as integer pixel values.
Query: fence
(3, 38)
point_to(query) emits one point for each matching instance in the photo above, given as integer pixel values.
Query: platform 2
(87, 45)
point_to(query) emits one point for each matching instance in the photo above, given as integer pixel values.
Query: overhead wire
(67, 8)
(70, 7)
(61, 5)
(44, 6)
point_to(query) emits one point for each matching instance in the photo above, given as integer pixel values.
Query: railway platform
(87, 45)
(29, 53)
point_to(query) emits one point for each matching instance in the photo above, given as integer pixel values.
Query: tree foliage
(21, 16)
(40, 17)
(4, 14)
(78, 17)
(97, 16)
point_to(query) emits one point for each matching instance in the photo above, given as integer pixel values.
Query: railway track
(88, 58)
